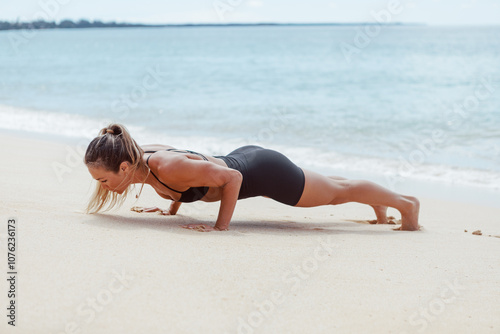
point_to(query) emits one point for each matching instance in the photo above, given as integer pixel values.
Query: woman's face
(113, 182)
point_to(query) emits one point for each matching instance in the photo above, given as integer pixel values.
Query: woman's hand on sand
(202, 227)
(199, 227)
(153, 209)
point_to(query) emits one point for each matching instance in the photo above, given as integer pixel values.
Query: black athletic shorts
(266, 173)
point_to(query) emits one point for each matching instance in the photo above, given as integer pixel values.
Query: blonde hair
(108, 150)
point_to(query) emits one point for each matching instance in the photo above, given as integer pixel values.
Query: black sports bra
(193, 193)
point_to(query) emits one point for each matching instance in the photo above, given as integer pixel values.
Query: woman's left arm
(196, 173)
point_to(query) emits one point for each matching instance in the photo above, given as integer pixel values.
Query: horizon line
(107, 24)
(18, 21)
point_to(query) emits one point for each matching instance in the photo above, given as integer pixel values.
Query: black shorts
(266, 173)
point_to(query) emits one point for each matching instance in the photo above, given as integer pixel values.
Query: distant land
(68, 24)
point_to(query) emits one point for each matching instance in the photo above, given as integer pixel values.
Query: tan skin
(184, 170)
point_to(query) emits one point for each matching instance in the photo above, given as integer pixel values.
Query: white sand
(278, 270)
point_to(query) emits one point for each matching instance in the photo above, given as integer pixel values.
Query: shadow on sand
(238, 227)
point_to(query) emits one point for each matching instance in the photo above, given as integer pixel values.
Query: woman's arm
(230, 192)
(196, 173)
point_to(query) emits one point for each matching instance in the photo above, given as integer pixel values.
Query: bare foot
(381, 213)
(409, 216)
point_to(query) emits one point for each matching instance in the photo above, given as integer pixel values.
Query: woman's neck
(142, 175)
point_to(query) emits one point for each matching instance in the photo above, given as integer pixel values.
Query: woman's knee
(341, 190)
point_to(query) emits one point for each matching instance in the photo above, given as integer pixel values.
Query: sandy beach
(278, 269)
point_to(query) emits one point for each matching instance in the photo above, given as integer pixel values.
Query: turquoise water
(412, 102)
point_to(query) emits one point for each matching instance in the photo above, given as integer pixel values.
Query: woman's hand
(154, 209)
(198, 227)
(201, 227)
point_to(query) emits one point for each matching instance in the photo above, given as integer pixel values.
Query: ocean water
(405, 102)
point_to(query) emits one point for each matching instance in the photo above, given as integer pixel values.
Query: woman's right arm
(196, 173)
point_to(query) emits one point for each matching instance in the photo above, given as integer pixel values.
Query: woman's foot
(409, 215)
(381, 213)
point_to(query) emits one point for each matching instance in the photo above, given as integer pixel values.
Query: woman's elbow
(236, 177)
(227, 177)
(232, 178)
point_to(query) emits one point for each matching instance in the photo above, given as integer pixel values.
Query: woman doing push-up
(116, 161)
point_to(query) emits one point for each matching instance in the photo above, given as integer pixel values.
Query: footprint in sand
(391, 220)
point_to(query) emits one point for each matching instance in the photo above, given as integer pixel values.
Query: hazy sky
(434, 12)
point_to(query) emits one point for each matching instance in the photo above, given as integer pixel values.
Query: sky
(432, 12)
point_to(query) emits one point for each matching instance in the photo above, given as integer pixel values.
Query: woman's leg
(323, 190)
(380, 210)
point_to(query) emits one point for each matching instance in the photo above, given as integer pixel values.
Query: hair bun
(113, 129)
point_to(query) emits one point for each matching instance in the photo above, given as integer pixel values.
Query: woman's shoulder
(166, 165)
(162, 160)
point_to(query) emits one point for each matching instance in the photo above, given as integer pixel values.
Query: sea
(408, 106)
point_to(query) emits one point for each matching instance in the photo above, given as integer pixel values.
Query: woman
(116, 161)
